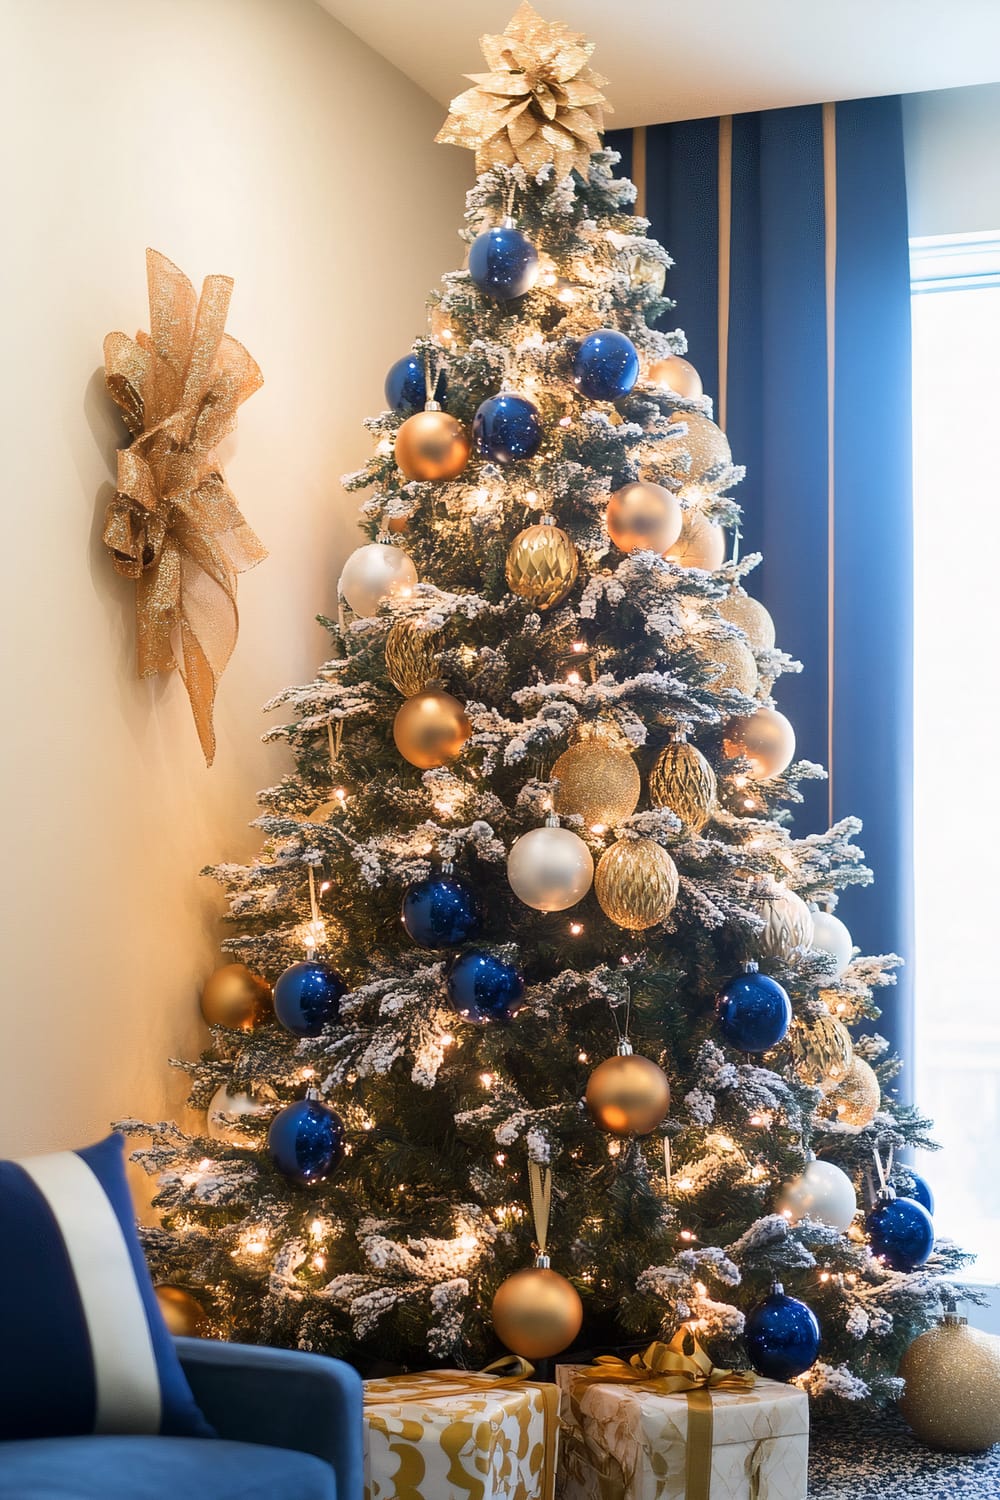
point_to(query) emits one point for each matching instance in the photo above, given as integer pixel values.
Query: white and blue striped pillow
(83, 1344)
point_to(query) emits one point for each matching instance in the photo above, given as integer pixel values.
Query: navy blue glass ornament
(753, 1011)
(606, 365)
(901, 1231)
(503, 263)
(307, 997)
(406, 384)
(506, 428)
(781, 1335)
(306, 1140)
(920, 1191)
(441, 911)
(481, 987)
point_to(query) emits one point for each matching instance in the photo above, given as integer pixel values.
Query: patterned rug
(875, 1458)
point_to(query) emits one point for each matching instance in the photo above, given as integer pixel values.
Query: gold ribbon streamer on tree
(174, 525)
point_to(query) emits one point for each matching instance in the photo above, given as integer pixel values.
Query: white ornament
(831, 936)
(225, 1103)
(788, 924)
(375, 572)
(550, 868)
(824, 1193)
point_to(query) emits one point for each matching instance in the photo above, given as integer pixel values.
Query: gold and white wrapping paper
(627, 1442)
(452, 1435)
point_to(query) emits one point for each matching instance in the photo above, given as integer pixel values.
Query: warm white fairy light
(685, 1184)
(582, 1057)
(487, 1080)
(614, 1148)
(319, 1262)
(318, 1229)
(307, 1074)
(501, 1158)
(575, 929)
(574, 678)
(565, 421)
(447, 1040)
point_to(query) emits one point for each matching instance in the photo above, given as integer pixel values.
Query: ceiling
(680, 59)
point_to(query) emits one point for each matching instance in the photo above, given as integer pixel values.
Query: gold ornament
(856, 1101)
(599, 780)
(542, 565)
(540, 102)
(766, 739)
(822, 1051)
(174, 526)
(628, 1094)
(701, 544)
(952, 1395)
(410, 658)
(636, 884)
(234, 997)
(739, 669)
(707, 445)
(750, 616)
(683, 780)
(432, 445)
(677, 375)
(183, 1314)
(430, 729)
(788, 924)
(537, 1312)
(643, 515)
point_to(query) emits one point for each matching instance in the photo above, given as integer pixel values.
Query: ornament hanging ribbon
(174, 526)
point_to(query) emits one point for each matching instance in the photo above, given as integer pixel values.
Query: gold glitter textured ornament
(183, 1314)
(431, 728)
(952, 1395)
(628, 1094)
(751, 617)
(788, 924)
(822, 1051)
(599, 780)
(738, 667)
(683, 780)
(432, 445)
(643, 515)
(540, 102)
(636, 883)
(235, 997)
(856, 1101)
(707, 445)
(410, 658)
(767, 740)
(542, 565)
(701, 544)
(677, 375)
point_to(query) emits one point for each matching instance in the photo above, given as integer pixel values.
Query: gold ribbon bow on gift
(174, 525)
(681, 1367)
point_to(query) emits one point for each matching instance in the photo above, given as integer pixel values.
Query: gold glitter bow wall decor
(174, 525)
(540, 102)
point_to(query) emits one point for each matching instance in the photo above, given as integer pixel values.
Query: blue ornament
(481, 987)
(441, 911)
(753, 1011)
(781, 1335)
(503, 263)
(901, 1231)
(920, 1191)
(606, 365)
(406, 384)
(307, 997)
(507, 428)
(306, 1140)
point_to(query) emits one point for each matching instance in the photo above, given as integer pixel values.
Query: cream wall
(260, 139)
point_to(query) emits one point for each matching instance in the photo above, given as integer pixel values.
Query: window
(956, 420)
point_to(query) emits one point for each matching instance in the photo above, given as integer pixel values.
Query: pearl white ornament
(831, 936)
(375, 572)
(225, 1103)
(788, 924)
(823, 1192)
(550, 868)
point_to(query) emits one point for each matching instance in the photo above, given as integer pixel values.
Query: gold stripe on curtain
(639, 168)
(830, 232)
(725, 253)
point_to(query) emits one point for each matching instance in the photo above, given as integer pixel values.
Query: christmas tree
(545, 665)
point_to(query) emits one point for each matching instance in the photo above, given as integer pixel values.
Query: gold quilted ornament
(952, 1395)
(410, 657)
(636, 884)
(739, 669)
(683, 780)
(542, 565)
(822, 1051)
(599, 780)
(856, 1101)
(788, 924)
(750, 616)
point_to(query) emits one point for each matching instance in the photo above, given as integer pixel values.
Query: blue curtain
(837, 571)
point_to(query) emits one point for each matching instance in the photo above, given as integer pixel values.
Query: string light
(317, 1229)
(614, 1148)
(447, 1040)
(579, 646)
(575, 929)
(487, 1080)
(306, 1074)
(686, 1234)
(319, 1262)
(582, 1057)
(574, 678)
(565, 421)
(684, 1183)
(501, 1158)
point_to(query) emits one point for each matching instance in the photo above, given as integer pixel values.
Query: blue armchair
(289, 1428)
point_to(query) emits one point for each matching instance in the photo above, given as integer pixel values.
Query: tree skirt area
(872, 1456)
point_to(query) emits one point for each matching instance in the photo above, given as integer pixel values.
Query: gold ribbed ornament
(410, 657)
(636, 883)
(542, 565)
(788, 924)
(677, 375)
(598, 780)
(856, 1101)
(822, 1051)
(952, 1395)
(739, 668)
(701, 544)
(183, 1314)
(683, 780)
(750, 616)
(705, 442)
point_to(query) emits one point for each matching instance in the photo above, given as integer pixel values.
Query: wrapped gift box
(451, 1435)
(629, 1442)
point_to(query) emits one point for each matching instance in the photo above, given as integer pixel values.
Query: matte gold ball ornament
(431, 728)
(856, 1100)
(636, 883)
(432, 445)
(766, 739)
(822, 1051)
(683, 780)
(750, 616)
(952, 1394)
(537, 1312)
(410, 657)
(677, 375)
(628, 1094)
(701, 544)
(542, 565)
(235, 997)
(643, 515)
(183, 1314)
(598, 780)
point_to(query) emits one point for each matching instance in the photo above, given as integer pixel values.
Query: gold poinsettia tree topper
(540, 102)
